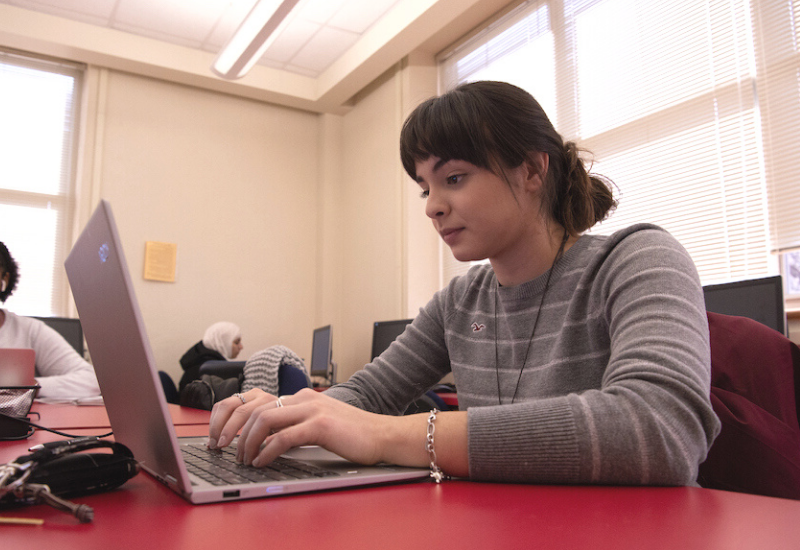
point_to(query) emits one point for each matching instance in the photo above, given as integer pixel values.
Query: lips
(450, 235)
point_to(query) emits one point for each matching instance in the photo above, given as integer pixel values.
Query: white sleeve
(61, 371)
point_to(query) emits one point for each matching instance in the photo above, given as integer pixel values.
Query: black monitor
(69, 328)
(758, 299)
(384, 333)
(321, 353)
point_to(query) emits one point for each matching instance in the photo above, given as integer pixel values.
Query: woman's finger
(230, 414)
(281, 442)
(273, 417)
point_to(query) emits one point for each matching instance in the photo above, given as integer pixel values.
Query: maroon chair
(755, 385)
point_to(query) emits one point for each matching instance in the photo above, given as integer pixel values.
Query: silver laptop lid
(115, 333)
(132, 392)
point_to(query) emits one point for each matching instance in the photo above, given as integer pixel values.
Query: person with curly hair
(60, 371)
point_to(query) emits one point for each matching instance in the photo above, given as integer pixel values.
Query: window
(689, 106)
(38, 144)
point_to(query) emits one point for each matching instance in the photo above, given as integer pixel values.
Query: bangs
(448, 127)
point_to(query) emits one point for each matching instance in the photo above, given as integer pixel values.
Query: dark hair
(496, 126)
(8, 265)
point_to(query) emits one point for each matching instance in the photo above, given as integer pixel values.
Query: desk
(455, 514)
(58, 416)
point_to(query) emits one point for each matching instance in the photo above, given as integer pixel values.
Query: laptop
(17, 367)
(134, 398)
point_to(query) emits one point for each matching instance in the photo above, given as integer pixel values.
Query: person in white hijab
(222, 341)
(224, 338)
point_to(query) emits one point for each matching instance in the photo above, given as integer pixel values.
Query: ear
(536, 170)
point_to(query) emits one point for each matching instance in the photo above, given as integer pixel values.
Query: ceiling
(317, 32)
(328, 51)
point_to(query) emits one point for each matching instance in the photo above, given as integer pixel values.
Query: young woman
(577, 358)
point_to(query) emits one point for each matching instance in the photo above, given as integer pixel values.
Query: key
(5, 475)
(9, 473)
(41, 493)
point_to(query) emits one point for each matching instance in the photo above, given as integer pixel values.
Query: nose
(435, 205)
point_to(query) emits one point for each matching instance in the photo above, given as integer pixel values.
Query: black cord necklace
(535, 323)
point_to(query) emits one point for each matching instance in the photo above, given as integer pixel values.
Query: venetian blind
(38, 144)
(777, 54)
(670, 99)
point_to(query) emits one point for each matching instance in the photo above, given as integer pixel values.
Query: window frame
(63, 201)
(565, 81)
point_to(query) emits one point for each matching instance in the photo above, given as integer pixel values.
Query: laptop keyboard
(219, 467)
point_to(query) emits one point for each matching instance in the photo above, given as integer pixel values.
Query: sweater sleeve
(617, 391)
(411, 365)
(648, 420)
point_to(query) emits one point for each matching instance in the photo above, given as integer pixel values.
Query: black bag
(72, 473)
(15, 406)
(203, 393)
(59, 469)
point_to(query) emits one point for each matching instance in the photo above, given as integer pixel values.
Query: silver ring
(240, 396)
(279, 403)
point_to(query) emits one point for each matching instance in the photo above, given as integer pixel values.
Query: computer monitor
(759, 299)
(322, 354)
(69, 328)
(384, 333)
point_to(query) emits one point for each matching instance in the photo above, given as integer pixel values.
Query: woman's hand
(306, 418)
(312, 418)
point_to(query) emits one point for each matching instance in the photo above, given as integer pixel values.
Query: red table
(455, 514)
(62, 416)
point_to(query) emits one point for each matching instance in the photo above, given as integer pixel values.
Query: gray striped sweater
(616, 385)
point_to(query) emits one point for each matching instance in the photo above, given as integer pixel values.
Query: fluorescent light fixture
(256, 33)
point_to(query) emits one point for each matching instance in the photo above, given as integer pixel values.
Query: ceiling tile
(183, 20)
(317, 32)
(96, 12)
(229, 21)
(324, 48)
(301, 70)
(319, 11)
(359, 15)
(296, 35)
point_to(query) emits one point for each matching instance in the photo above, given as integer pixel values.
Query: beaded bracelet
(436, 473)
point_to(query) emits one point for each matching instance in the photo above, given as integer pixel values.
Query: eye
(424, 194)
(455, 178)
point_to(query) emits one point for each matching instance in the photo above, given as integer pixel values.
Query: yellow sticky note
(160, 260)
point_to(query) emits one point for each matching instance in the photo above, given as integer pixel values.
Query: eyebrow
(436, 167)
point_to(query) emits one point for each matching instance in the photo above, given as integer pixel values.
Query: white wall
(233, 183)
(422, 243)
(371, 222)
(284, 220)
(388, 260)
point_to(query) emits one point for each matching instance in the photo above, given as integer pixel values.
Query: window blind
(38, 143)
(687, 106)
(777, 60)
